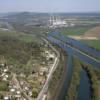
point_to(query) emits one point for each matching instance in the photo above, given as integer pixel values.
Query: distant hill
(38, 14)
(7, 14)
(19, 15)
(25, 15)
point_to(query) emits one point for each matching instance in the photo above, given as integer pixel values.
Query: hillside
(18, 48)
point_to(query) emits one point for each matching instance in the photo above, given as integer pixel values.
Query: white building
(57, 22)
(12, 90)
(6, 98)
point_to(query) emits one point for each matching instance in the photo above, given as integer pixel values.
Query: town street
(42, 94)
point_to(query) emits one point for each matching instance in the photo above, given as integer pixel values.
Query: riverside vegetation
(57, 77)
(93, 74)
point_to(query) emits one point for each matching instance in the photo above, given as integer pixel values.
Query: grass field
(81, 31)
(19, 35)
(74, 31)
(18, 48)
(95, 32)
(92, 43)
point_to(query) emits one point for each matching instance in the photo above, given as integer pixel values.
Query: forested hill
(18, 48)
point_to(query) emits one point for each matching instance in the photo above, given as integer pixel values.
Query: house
(43, 81)
(21, 82)
(36, 75)
(30, 93)
(3, 74)
(47, 52)
(12, 90)
(4, 79)
(2, 64)
(6, 76)
(5, 70)
(26, 88)
(22, 75)
(17, 96)
(6, 98)
(22, 98)
(42, 70)
(51, 57)
(18, 92)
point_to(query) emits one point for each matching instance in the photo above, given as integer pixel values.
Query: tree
(34, 93)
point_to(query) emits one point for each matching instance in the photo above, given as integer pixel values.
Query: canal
(84, 83)
(84, 91)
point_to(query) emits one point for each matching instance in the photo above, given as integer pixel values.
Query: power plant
(57, 22)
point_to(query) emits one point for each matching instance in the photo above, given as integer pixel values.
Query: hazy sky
(50, 5)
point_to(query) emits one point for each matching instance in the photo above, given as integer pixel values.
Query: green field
(19, 35)
(18, 48)
(80, 31)
(74, 31)
(92, 43)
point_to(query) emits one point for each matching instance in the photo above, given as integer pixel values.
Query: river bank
(82, 56)
(75, 80)
(94, 76)
(85, 82)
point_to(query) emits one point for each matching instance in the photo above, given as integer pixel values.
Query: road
(42, 94)
(19, 87)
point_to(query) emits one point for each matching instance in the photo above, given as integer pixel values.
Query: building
(6, 98)
(57, 22)
(42, 70)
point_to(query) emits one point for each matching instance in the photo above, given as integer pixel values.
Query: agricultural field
(94, 32)
(19, 35)
(87, 35)
(92, 43)
(74, 30)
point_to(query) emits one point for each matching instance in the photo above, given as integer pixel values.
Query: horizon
(50, 6)
(51, 12)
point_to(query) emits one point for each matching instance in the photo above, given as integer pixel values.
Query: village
(15, 86)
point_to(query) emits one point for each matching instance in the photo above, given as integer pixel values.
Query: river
(64, 45)
(84, 91)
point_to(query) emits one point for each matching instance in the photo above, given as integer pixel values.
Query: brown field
(92, 34)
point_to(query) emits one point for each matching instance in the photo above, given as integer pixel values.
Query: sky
(50, 5)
